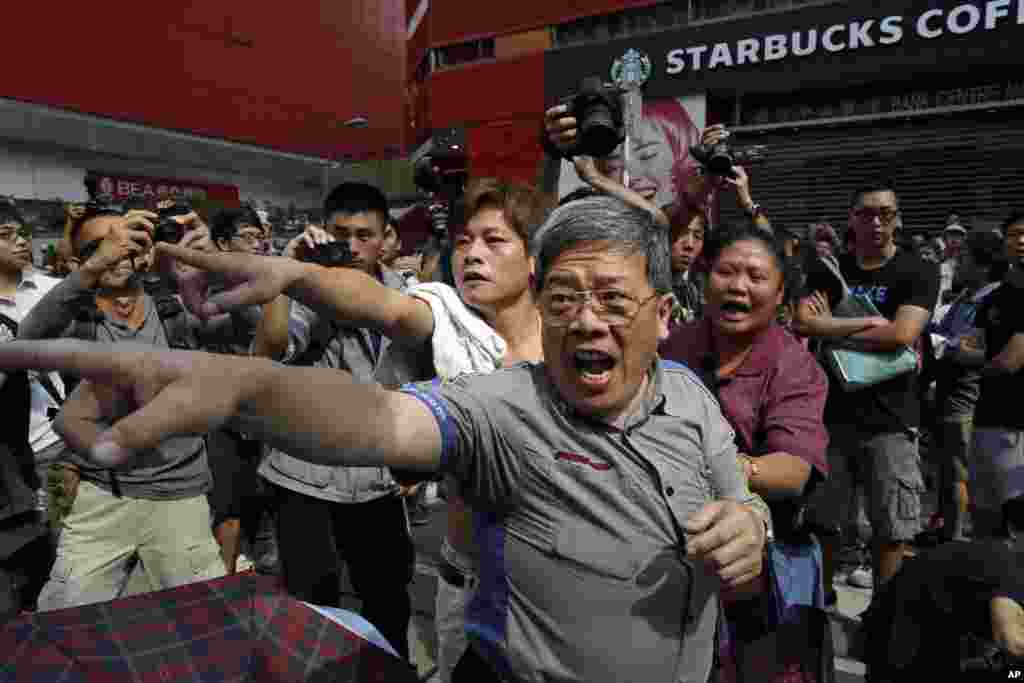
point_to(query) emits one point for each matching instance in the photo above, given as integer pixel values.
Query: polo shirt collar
(654, 403)
(767, 346)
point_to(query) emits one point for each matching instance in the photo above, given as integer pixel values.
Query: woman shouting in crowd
(772, 392)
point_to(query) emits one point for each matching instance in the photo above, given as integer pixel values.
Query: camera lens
(598, 134)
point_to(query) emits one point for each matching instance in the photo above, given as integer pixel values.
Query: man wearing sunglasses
(873, 430)
(156, 510)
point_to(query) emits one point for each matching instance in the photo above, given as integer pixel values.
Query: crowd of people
(642, 423)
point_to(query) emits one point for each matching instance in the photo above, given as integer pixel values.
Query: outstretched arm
(344, 294)
(322, 417)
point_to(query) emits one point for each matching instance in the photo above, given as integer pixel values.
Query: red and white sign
(121, 188)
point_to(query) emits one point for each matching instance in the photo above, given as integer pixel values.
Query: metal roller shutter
(973, 164)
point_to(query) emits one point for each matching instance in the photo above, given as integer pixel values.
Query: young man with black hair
(155, 511)
(873, 429)
(327, 514)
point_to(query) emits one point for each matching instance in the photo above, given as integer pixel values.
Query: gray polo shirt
(177, 467)
(582, 573)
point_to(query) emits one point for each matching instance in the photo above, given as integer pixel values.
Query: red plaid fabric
(238, 628)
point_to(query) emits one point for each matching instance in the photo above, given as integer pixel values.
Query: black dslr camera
(167, 229)
(719, 158)
(597, 108)
(441, 176)
(330, 255)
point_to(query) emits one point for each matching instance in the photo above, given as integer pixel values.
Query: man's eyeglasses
(885, 215)
(560, 306)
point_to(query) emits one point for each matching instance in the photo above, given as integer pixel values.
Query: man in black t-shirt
(873, 431)
(997, 460)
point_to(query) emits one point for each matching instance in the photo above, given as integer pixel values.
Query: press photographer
(326, 514)
(586, 127)
(156, 510)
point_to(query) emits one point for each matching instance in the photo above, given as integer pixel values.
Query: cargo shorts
(888, 467)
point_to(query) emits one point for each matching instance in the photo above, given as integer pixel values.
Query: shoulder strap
(833, 267)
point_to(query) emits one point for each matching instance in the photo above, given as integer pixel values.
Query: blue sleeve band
(445, 423)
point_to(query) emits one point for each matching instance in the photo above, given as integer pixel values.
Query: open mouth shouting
(734, 310)
(473, 276)
(593, 367)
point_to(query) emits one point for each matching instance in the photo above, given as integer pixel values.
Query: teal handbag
(856, 368)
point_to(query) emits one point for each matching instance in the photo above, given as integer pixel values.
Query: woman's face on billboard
(650, 165)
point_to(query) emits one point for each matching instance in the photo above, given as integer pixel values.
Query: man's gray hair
(604, 219)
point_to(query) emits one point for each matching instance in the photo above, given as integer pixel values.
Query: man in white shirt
(25, 552)
(21, 287)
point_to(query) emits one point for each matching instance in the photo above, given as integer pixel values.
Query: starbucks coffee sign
(831, 46)
(856, 34)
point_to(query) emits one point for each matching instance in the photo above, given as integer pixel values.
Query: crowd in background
(752, 324)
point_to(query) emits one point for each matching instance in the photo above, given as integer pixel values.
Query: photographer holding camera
(156, 510)
(591, 158)
(325, 514)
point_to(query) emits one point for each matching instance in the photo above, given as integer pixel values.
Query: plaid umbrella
(237, 628)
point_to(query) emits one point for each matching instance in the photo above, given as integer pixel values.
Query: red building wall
(273, 74)
(499, 103)
(455, 21)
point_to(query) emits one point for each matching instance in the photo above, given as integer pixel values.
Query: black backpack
(173, 318)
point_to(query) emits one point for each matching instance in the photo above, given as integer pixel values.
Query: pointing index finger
(90, 360)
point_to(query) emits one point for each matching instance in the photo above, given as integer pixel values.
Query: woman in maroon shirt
(772, 392)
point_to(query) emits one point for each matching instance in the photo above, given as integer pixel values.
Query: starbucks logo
(631, 70)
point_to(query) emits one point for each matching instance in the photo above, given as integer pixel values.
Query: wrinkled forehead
(594, 265)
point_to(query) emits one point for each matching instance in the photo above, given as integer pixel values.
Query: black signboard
(833, 46)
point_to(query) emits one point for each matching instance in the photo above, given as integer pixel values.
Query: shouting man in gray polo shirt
(600, 475)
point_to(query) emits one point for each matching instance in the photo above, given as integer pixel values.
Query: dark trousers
(472, 668)
(22, 576)
(314, 535)
(238, 490)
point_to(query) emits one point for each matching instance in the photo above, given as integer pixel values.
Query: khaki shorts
(888, 467)
(104, 534)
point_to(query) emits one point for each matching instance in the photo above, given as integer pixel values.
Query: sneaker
(243, 563)
(861, 577)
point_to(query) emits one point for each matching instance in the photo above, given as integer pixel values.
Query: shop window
(622, 24)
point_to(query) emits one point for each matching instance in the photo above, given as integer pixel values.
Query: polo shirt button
(669, 491)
